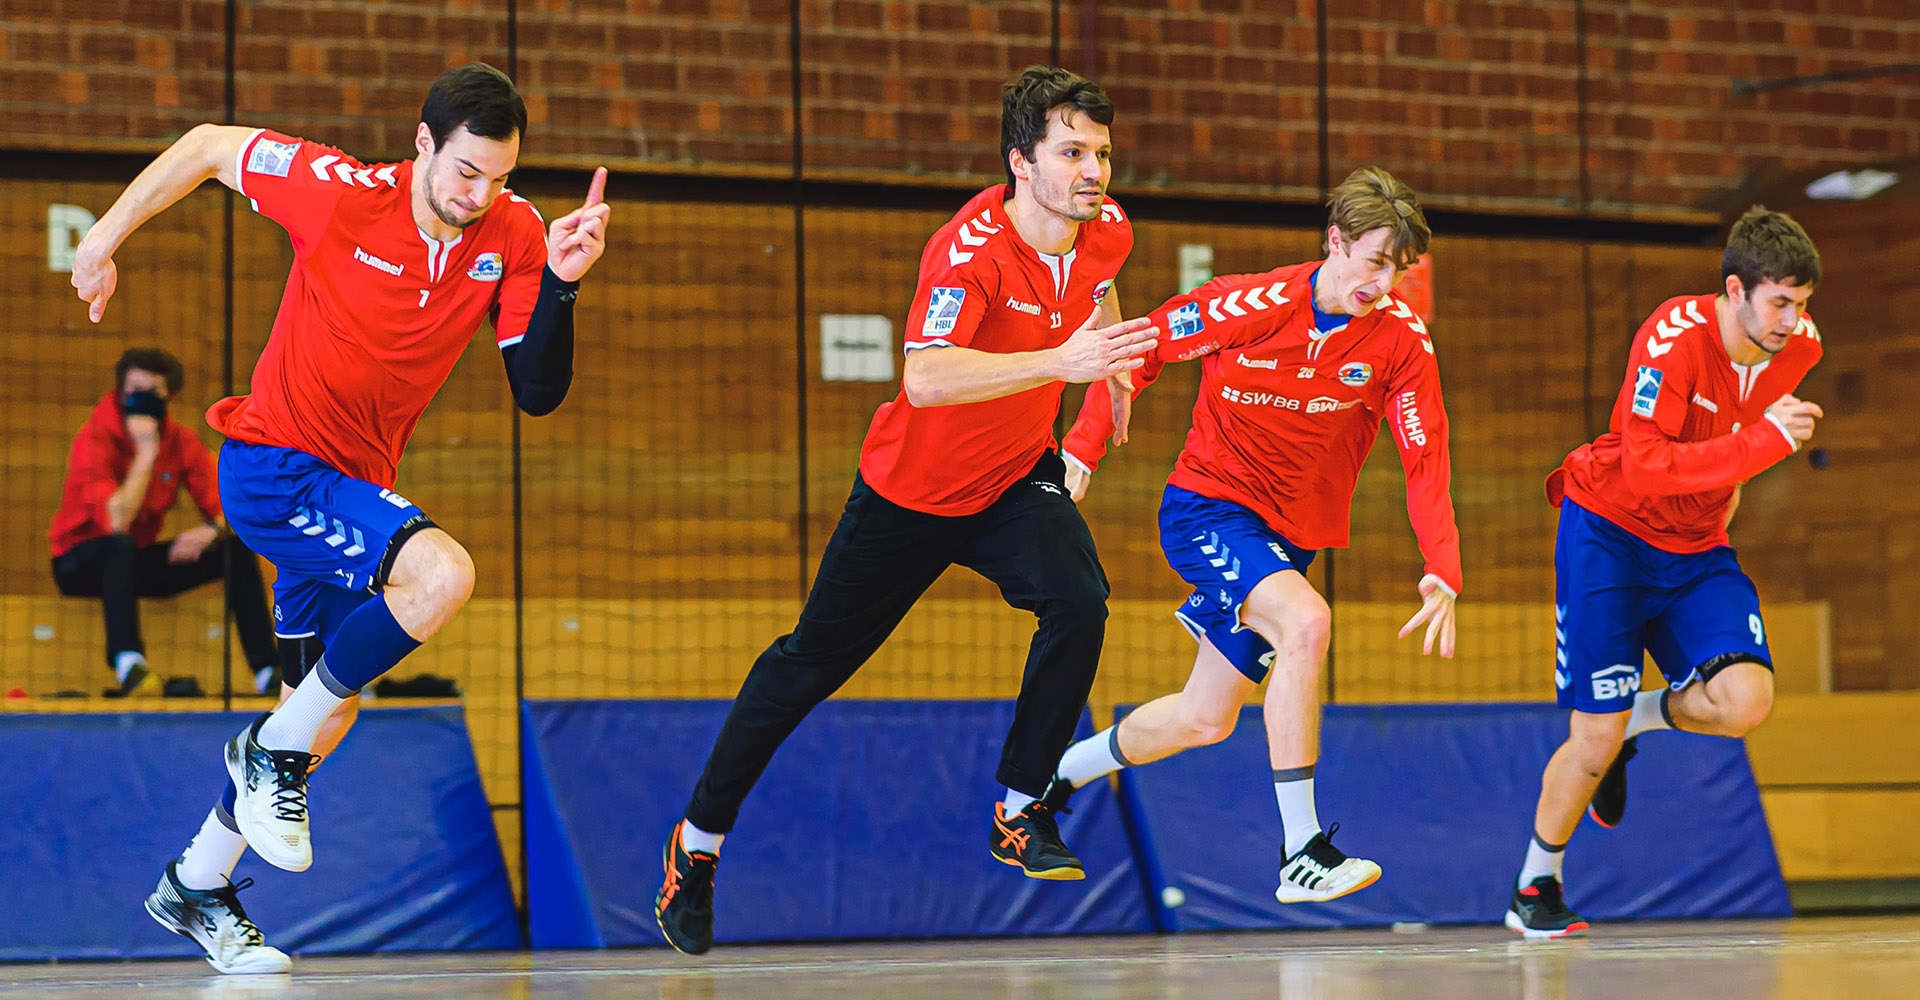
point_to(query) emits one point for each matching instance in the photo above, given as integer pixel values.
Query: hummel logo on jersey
(376, 263)
(1269, 363)
(486, 267)
(1705, 403)
(1646, 390)
(1029, 308)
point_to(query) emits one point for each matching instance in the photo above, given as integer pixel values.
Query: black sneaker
(270, 804)
(1609, 805)
(214, 920)
(684, 905)
(140, 683)
(1540, 911)
(1030, 839)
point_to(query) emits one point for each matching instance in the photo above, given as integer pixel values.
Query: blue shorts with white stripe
(325, 531)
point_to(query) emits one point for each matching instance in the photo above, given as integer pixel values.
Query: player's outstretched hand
(94, 277)
(1092, 354)
(1436, 614)
(578, 238)
(1796, 416)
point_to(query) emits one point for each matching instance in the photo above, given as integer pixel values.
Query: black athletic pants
(1032, 543)
(119, 572)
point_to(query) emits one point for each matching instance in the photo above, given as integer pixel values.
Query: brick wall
(1476, 102)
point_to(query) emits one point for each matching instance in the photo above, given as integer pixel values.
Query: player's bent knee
(1741, 694)
(1202, 728)
(1088, 606)
(439, 567)
(1303, 621)
(1595, 740)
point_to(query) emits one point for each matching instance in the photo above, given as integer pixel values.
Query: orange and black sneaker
(1030, 839)
(1538, 911)
(684, 906)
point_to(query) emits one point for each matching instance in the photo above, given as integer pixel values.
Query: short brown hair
(1370, 199)
(1028, 101)
(1769, 246)
(150, 359)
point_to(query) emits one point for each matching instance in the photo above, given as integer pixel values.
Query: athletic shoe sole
(1050, 874)
(1514, 923)
(1595, 816)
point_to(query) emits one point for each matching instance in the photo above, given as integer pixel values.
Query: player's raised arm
(206, 151)
(536, 334)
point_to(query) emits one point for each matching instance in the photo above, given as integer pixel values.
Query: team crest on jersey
(1185, 322)
(486, 267)
(1646, 390)
(1100, 291)
(943, 312)
(271, 158)
(1357, 374)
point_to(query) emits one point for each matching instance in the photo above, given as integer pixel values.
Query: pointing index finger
(596, 187)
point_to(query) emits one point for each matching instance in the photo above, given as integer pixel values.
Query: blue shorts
(1224, 550)
(1615, 595)
(328, 533)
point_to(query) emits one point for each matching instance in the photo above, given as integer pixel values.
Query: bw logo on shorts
(1618, 681)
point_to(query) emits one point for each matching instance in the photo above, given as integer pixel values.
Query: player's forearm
(1086, 441)
(205, 152)
(125, 501)
(1655, 465)
(948, 376)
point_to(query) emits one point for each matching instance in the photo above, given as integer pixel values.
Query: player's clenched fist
(1795, 416)
(1092, 354)
(94, 276)
(578, 238)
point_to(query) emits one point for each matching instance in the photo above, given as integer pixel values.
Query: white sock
(211, 855)
(1093, 757)
(692, 839)
(1648, 713)
(1299, 820)
(294, 725)
(1016, 801)
(1541, 860)
(124, 662)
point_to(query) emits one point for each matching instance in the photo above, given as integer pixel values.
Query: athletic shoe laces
(229, 897)
(1321, 853)
(290, 769)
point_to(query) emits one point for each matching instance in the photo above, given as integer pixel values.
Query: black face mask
(146, 403)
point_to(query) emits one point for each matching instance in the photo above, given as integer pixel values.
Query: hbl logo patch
(943, 312)
(1646, 390)
(1185, 322)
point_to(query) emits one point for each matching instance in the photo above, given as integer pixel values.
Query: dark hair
(1026, 103)
(150, 359)
(1370, 199)
(477, 96)
(1769, 246)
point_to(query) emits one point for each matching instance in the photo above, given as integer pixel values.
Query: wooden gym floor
(1857, 958)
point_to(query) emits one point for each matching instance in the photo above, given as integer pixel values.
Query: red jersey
(375, 312)
(982, 287)
(102, 453)
(1286, 415)
(1689, 426)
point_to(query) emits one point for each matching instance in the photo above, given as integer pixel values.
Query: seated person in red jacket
(128, 464)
